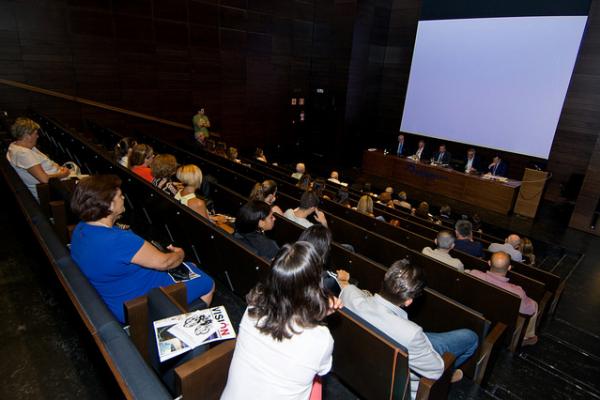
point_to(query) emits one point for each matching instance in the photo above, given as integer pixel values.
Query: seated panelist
(401, 149)
(472, 162)
(442, 157)
(497, 167)
(421, 152)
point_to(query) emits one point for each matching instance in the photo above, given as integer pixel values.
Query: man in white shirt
(402, 283)
(444, 243)
(300, 170)
(334, 177)
(511, 246)
(420, 153)
(308, 206)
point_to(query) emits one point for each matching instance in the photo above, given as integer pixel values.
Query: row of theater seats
(157, 214)
(384, 243)
(504, 310)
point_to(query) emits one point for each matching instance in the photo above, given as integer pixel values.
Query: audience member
(444, 242)
(191, 177)
(402, 201)
(527, 251)
(476, 220)
(123, 150)
(140, 159)
(446, 215)
(300, 171)
(309, 203)
(232, 154)
(253, 220)
(320, 237)
(118, 263)
(423, 211)
(163, 168)
(305, 182)
(403, 282)
(31, 165)
(334, 177)
(385, 198)
(221, 149)
(267, 192)
(282, 343)
(464, 239)
(499, 267)
(365, 205)
(260, 155)
(511, 246)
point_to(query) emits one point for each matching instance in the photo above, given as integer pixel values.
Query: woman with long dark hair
(282, 343)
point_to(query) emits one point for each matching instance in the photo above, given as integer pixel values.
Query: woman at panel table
(31, 165)
(118, 263)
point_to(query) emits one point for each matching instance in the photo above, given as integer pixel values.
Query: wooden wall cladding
(240, 59)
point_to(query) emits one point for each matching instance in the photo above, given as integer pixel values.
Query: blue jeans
(461, 342)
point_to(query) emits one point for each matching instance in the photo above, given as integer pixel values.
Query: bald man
(499, 267)
(511, 246)
(444, 243)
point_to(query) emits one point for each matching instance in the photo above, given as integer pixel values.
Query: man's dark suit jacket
(424, 155)
(501, 169)
(405, 150)
(476, 163)
(446, 157)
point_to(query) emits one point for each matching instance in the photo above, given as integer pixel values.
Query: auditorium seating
(372, 245)
(188, 375)
(147, 195)
(131, 372)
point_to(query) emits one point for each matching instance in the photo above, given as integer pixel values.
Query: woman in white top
(32, 165)
(282, 343)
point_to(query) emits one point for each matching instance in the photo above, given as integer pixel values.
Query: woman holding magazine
(282, 343)
(118, 263)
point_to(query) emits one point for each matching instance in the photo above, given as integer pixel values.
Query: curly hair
(163, 166)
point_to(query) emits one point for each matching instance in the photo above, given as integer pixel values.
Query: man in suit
(442, 157)
(420, 153)
(401, 150)
(402, 283)
(497, 167)
(472, 164)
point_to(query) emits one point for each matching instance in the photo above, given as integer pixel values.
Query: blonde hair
(365, 205)
(163, 166)
(190, 175)
(23, 126)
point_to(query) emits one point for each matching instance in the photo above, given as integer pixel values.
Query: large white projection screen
(492, 82)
